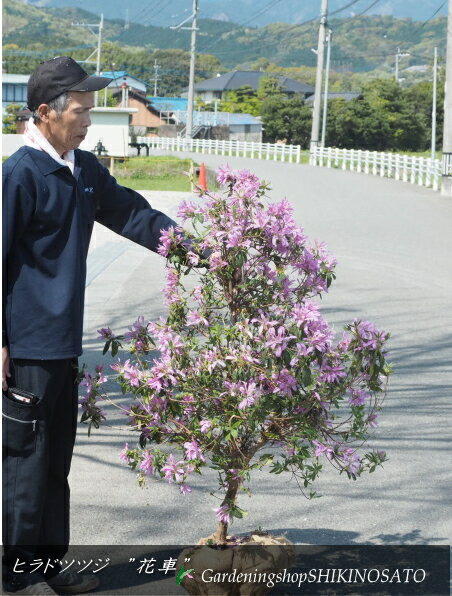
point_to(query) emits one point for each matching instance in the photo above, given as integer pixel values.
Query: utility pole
(156, 77)
(97, 51)
(318, 77)
(191, 83)
(446, 188)
(397, 58)
(327, 82)
(435, 79)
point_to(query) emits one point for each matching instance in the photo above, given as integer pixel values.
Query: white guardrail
(417, 170)
(254, 150)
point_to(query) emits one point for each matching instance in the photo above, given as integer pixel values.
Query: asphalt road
(394, 246)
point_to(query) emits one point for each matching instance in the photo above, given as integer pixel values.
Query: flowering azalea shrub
(248, 373)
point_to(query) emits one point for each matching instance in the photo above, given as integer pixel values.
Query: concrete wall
(170, 130)
(11, 143)
(109, 125)
(239, 133)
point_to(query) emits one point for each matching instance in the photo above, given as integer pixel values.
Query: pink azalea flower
(184, 489)
(223, 514)
(173, 471)
(123, 455)
(358, 397)
(321, 449)
(147, 463)
(205, 425)
(192, 450)
(106, 333)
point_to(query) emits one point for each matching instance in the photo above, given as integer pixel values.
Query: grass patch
(154, 173)
(170, 183)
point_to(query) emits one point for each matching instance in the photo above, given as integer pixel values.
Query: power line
(343, 8)
(283, 40)
(366, 10)
(418, 29)
(261, 12)
(271, 4)
(143, 11)
(288, 30)
(162, 7)
(434, 14)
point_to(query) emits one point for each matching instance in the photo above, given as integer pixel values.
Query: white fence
(254, 150)
(417, 170)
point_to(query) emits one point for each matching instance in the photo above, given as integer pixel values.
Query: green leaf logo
(182, 573)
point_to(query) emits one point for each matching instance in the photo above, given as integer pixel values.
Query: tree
(9, 121)
(243, 100)
(420, 98)
(286, 119)
(269, 86)
(356, 125)
(387, 117)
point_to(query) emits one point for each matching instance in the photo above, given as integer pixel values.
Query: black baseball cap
(56, 76)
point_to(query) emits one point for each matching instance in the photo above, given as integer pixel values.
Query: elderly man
(53, 193)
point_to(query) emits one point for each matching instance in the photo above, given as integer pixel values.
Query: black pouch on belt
(20, 420)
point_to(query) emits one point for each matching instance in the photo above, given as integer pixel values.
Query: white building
(14, 89)
(110, 126)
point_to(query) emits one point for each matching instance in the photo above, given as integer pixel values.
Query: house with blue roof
(122, 76)
(211, 125)
(169, 104)
(167, 117)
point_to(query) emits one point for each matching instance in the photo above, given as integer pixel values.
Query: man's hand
(5, 368)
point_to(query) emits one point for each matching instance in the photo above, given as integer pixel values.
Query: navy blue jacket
(48, 218)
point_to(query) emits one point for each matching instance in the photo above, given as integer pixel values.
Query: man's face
(67, 130)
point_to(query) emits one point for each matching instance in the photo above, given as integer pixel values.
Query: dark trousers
(38, 442)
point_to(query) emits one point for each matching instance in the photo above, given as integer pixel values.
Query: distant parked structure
(218, 87)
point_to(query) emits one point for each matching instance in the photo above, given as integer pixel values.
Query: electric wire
(136, 18)
(271, 4)
(434, 14)
(285, 39)
(366, 10)
(350, 4)
(260, 13)
(291, 28)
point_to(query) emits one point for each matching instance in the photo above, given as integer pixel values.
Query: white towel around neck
(33, 137)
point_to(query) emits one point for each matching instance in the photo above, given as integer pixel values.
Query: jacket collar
(47, 165)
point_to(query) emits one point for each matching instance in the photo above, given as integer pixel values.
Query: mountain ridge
(172, 12)
(361, 44)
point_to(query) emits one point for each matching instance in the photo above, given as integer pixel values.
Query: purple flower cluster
(246, 358)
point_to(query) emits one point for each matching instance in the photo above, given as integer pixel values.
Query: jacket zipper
(22, 421)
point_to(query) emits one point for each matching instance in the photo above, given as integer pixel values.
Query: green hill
(366, 44)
